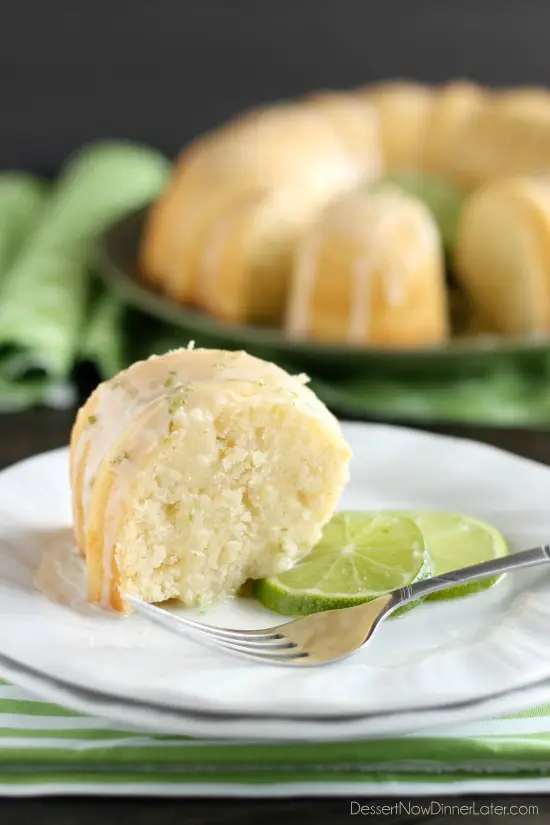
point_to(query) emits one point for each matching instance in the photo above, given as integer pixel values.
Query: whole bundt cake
(248, 229)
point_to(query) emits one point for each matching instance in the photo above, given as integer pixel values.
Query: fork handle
(495, 567)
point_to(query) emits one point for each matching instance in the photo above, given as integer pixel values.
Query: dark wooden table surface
(23, 435)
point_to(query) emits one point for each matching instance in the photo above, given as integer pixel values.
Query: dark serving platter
(118, 250)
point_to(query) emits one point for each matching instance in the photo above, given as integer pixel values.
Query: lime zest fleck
(123, 456)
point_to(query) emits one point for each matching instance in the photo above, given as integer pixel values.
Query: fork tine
(226, 634)
(254, 644)
(278, 656)
(222, 633)
(269, 650)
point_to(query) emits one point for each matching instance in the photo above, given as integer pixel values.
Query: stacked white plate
(442, 663)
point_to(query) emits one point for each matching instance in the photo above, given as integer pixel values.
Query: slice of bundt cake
(503, 138)
(290, 149)
(502, 258)
(454, 104)
(197, 470)
(403, 111)
(370, 271)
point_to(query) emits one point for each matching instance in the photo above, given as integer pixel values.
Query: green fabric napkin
(102, 342)
(44, 293)
(22, 198)
(49, 749)
(22, 201)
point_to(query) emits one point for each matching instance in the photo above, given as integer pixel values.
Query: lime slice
(456, 541)
(360, 556)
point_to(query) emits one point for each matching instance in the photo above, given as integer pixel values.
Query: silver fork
(321, 638)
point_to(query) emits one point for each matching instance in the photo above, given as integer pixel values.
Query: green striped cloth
(47, 749)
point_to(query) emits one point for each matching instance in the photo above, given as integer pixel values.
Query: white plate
(439, 663)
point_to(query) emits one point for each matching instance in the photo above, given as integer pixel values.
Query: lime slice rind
(455, 541)
(464, 590)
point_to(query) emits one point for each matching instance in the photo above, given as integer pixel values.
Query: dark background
(161, 71)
